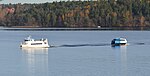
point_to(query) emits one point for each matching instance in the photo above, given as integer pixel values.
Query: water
(76, 53)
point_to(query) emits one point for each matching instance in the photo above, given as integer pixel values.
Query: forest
(77, 14)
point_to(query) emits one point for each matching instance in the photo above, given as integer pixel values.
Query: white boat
(118, 41)
(29, 42)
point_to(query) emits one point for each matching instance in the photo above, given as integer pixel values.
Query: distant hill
(77, 14)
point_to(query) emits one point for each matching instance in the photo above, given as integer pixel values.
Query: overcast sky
(25, 1)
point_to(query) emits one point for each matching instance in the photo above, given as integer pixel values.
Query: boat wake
(96, 45)
(83, 45)
(140, 43)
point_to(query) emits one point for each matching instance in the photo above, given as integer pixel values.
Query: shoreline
(76, 29)
(54, 29)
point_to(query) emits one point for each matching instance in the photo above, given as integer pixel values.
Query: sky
(25, 1)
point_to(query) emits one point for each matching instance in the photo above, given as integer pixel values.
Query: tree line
(77, 14)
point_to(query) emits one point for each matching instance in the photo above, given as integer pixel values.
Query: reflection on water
(37, 61)
(35, 50)
(121, 59)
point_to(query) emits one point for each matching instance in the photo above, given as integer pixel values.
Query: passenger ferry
(29, 42)
(118, 42)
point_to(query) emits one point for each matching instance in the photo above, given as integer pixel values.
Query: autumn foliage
(77, 14)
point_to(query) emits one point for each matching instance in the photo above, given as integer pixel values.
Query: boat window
(26, 40)
(122, 40)
(36, 44)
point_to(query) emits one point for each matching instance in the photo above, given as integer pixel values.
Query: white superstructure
(29, 42)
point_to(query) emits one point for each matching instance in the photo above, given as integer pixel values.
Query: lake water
(76, 53)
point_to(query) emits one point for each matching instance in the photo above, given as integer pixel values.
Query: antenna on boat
(29, 37)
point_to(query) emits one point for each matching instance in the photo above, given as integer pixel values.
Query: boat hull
(122, 44)
(35, 46)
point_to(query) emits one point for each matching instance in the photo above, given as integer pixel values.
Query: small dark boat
(118, 42)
